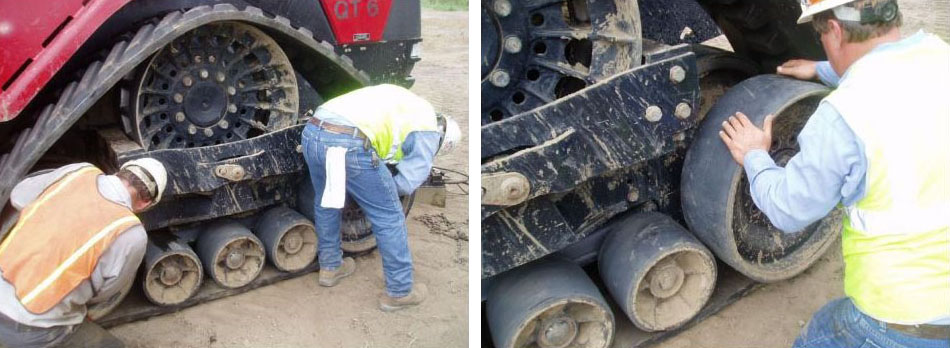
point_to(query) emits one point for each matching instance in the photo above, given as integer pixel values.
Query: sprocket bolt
(180, 116)
(219, 76)
(192, 130)
(208, 132)
(231, 90)
(232, 108)
(178, 98)
(187, 81)
(500, 78)
(223, 124)
(502, 7)
(512, 44)
(203, 73)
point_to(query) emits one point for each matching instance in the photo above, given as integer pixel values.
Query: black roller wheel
(659, 274)
(172, 272)
(289, 238)
(221, 82)
(548, 304)
(534, 52)
(715, 192)
(357, 231)
(230, 253)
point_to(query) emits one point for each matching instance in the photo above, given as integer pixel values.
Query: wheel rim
(534, 53)
(564, 323)
(173, 279)
(757, 240)
(674, 289)
(238, 262)
(218, 83)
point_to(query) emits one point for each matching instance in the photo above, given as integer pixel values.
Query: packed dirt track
(299, 313)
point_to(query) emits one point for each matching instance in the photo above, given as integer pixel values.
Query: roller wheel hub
(235, 259)
(557, 332)
(666, 279)
(171, 275)
(293, 242)
(218, 83)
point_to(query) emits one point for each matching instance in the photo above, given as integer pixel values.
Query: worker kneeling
(347, 146)
(879, 146)
(71, 250)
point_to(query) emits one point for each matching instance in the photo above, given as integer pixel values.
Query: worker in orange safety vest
(70, 251)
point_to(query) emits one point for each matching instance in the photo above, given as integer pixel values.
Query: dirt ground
(298, 313)
(774, 315)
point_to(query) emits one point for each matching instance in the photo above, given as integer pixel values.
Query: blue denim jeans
(840, 324)
(371, 185)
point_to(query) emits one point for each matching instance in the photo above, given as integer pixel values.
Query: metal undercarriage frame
(588, 157)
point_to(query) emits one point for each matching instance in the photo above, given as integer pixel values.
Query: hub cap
(221, 82)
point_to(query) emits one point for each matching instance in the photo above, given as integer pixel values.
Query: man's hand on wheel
(798, 68)
(741, 136)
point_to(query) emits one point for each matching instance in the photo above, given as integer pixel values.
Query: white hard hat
(152, 173)
(451, 135)
(812, 7)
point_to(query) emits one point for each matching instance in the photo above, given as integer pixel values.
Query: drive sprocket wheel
(534, 52)
(218, 83)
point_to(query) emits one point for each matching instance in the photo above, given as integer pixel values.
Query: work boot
(330, 278)
(415, 297)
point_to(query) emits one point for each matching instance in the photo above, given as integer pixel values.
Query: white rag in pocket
(334, 189)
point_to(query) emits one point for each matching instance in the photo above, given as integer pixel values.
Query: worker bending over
(879, 144)
(347, 146)
(71, 252)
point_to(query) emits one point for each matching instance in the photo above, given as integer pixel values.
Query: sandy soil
(774, 315)
(297, 312)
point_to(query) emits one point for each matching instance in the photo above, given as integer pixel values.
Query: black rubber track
(100, 76)
(765, 30)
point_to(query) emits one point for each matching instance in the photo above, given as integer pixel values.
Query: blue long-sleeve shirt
(830, 167)
(418, 152)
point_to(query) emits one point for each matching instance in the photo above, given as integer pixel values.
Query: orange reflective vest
(58, 239)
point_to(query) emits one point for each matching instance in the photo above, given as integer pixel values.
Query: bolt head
(197, 59)
(180, 116)
(208, 132)
(502, 7)
(231, 90)
(512, 44)
(203, 73)
(178, 98)
(223, 124)
(232, 108)
(219, 76)
(653, 113)
(211, 59)
(187, 81)
(683, 110)
(633, 195)
(513, 188)
(677, 74)
(192, 129)
(500, 78)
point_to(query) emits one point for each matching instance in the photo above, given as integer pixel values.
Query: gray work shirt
(114, 272)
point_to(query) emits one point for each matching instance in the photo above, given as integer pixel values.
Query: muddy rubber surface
(774, 315)
(298, 312)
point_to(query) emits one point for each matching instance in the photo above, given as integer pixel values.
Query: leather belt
(338, 129)
(922, 331)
